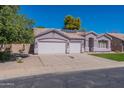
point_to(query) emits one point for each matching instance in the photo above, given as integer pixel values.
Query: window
(103, 44)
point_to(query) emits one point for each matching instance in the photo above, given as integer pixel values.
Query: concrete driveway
(59, 63)
(78, 62)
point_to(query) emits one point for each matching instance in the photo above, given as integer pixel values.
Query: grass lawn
(112, 56)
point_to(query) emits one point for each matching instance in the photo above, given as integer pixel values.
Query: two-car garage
(58, 42)
(63, 48)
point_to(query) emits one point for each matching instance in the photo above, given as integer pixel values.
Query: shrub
(5, 56)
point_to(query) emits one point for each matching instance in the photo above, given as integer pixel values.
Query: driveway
(59, 63)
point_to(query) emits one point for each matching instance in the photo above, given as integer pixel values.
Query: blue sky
(100, 19)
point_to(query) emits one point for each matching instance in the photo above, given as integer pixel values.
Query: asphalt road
(109, 78)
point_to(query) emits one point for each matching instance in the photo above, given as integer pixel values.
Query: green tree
(72, 23)
(14, 27)
(77, 23)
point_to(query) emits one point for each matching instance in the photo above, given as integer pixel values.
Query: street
(104, 78)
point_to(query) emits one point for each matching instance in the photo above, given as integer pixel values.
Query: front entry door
(91, 44)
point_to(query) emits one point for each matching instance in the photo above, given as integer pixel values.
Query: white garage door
(51, 48)
(75, 47)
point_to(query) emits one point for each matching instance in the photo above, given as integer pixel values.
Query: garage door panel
(51, 48)
(75, 47)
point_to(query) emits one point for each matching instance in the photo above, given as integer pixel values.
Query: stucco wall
(16, 47)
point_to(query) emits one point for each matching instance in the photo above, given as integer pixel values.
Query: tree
(77, 23)
(14, 27)
(72, 23)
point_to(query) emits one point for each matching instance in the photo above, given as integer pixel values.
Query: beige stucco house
(51, 41)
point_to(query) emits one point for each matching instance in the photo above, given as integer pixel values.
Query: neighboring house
(117, 43)
(50, 41)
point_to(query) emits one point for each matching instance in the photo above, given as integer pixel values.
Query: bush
(5, 56)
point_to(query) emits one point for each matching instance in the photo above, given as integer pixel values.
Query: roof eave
(115, 37)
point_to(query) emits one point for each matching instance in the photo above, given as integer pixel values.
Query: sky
(100, 19)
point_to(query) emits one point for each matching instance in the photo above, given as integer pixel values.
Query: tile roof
(71, 35)
(117, 35)
(86, 33)
(81, 33)
(38, 31)
(100, 35)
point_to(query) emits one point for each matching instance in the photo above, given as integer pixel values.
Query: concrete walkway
(44, 64)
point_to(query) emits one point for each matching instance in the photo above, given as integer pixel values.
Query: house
(117, 42)
(50, 41)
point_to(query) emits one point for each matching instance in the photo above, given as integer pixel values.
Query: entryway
(91, 44)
